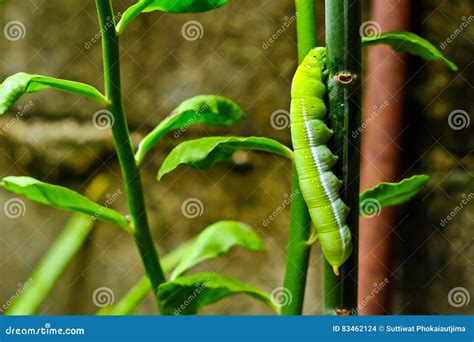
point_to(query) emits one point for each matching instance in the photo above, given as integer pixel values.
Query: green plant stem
(300, 220)
(123, 145)
(52, 265)
(58, 257)
(305, 26)
(343, 49)
(298, 251)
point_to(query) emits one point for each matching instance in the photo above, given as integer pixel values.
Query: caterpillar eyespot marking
(314, 161)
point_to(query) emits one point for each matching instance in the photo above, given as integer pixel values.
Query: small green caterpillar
(314, 161)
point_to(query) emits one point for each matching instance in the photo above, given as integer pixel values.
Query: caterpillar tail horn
(336, 270)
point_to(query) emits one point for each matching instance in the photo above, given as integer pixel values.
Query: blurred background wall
(231, 55)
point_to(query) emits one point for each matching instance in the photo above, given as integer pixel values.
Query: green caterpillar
(314, 161)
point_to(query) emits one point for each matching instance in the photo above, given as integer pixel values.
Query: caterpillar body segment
(314, 161)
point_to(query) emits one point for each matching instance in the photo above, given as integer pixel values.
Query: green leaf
(409, 42)
(187, 295)
(170, 6)
(184, 6)
(234, 233)
(208, 109)
(137, 294)
(387, 194)
(204, 153)
(216, 240)
(62, 198)
(58, 256)
(21, 83)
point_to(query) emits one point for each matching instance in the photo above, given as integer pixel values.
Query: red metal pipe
(382, 117)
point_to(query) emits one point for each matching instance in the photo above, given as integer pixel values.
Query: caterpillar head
(316, 58)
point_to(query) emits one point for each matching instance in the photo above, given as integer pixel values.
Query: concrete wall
(56, 141)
